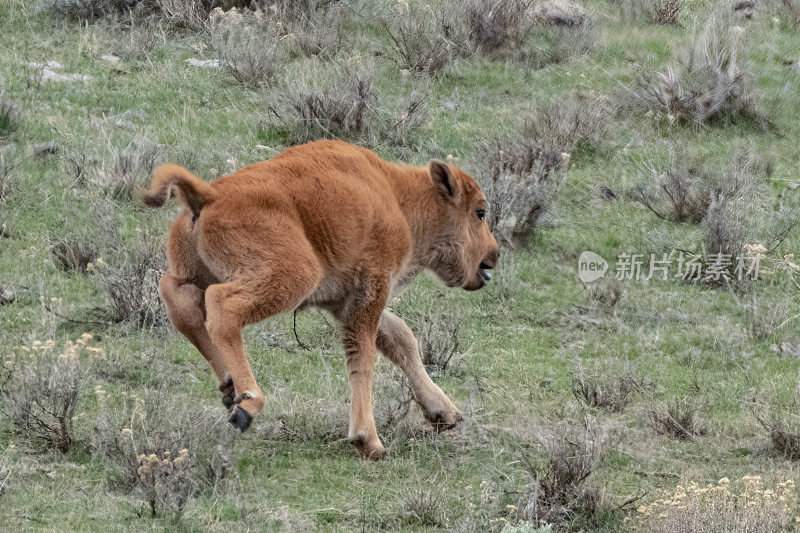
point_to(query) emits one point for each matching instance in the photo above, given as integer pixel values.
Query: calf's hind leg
(186, 310)
(231, 306)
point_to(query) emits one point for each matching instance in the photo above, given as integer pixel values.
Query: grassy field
(583, 403)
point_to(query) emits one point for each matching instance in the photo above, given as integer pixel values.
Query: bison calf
(325, 224)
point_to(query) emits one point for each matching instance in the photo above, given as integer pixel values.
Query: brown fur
(325, 224)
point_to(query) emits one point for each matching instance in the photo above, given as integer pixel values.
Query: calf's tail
(193, 192)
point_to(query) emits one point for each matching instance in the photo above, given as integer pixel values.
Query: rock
(49, 75)
(560, 12)
(7, 295)
(111, 58)
(39, 150)
(51, 65)
(5, 232)
(205, 63)
(47, 72)
(791, 349)
(607, 194)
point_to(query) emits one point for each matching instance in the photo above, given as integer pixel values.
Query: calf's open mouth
(482, 271)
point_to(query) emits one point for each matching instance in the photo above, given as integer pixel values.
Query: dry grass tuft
(678, 421)
(664, 12)
(523, 173)
(10, 118)
(497, 27)
(322, 33)
(130, 283)
(741, 506)
(610, 391)
(521, 179)
(191, 14)
(74, 254)
(161, 450)
(567, 124)
(344, 103)
(423, 37)
(337, 107)
(723, 228)
(424, 508)
(437, 335)
(559, 492)
(41, 388)
(715, 196)
(710, 83)
(126, 170)
(607, 292)
(782, 425)
(767, 318)
(247, 45)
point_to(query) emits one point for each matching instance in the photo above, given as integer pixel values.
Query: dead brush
(678, 421)
(87, 10)
(438, 339)
(606, 293)
(683, 190)
(521, 179)
(335, 107)
(179, 13)
(766, 318)
(6, 170)
(610, 393)
(663, 12)
(782, 424)
(247, 45)
(10, 118)
(568, 123)
(424, 508)
(126, 169)
(191, 14)
(345, 104)
(423, 37)
(129, 283)
(74, 254)
(42, 389)
(559, 492)
(723, 228)
(396, 400)
(559, 43)
(709, 84)
(163, 451)
(742, 505)
(323, 33)
(495, 28)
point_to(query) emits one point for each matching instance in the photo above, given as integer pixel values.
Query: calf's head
(462, 247)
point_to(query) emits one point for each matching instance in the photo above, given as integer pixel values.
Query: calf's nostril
(485, 266)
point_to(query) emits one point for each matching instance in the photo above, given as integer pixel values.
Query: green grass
(521, 342)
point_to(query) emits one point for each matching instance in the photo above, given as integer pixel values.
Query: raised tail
(192, 191)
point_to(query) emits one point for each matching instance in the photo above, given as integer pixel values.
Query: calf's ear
(443, 180)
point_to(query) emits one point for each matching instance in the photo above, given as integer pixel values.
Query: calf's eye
(481, 213)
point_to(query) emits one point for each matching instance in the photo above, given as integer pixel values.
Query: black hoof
(240, 419)
(228, 393)
(439, 420)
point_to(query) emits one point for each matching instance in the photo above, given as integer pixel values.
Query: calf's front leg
(396, 341)
(359, 329)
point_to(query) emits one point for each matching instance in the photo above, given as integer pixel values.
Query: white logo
(591, 266)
